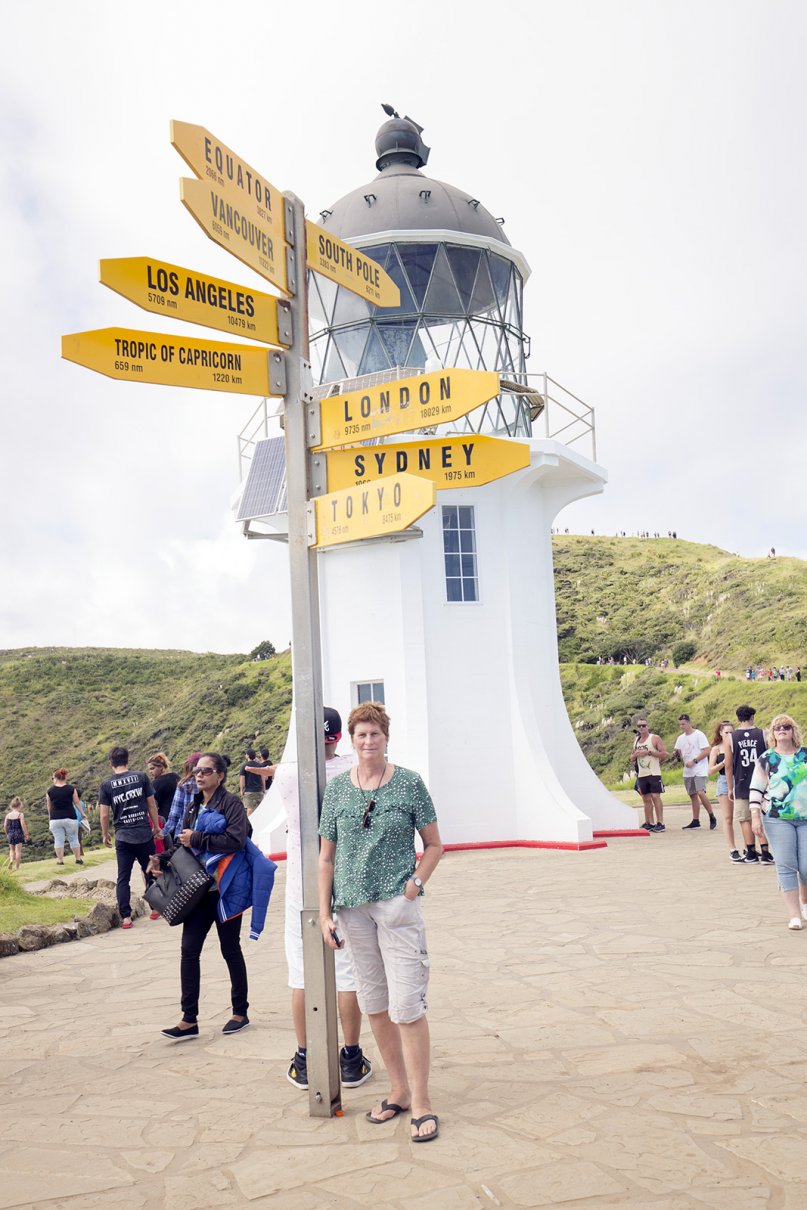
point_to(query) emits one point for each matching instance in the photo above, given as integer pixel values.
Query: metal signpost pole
(320, 986)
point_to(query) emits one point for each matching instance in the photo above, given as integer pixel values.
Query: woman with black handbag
(210, 772)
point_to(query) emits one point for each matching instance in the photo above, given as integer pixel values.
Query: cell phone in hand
(337, 940)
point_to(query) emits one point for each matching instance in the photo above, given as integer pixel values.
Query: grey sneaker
(735, 856)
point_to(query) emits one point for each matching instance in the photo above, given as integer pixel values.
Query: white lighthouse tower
(452, 624)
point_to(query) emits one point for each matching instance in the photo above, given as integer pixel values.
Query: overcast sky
(647, 156)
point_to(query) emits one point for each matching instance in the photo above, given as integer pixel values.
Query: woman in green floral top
(779, 792)
(369, 879)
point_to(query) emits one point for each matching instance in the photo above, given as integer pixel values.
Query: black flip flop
(385, 1105)
(418, 1122)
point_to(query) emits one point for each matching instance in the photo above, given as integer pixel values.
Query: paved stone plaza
(617, 1027)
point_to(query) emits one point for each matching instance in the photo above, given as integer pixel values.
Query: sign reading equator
(174, 361)
(214, 162)
(404, 405)
(166, 289)
(469, 460)
(385, 507)
(349, 267)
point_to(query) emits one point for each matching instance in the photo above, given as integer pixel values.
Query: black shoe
(766, 856)
(181, 1035)
(712, 821)
(648, 827)
(751, 856)
(660, 827)
(298, 1071)
(234, 1026)
(354, 1072)
(694, 823)
(735, 856)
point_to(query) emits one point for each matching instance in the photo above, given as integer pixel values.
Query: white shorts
(387, 943)
(345, 981)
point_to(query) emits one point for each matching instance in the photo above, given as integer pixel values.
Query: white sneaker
(795, 924)
(804, 911)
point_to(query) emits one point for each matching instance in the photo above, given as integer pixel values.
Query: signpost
(464, 461)
(403, 405)
(384, 489)
(177, 361)
(384, 507)
(166, 289)
(349, 267)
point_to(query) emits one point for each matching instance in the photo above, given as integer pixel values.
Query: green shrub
(682, 653)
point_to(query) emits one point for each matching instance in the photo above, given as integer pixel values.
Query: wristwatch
(418, 883)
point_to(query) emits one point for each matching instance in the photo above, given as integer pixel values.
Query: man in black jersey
(743, 747)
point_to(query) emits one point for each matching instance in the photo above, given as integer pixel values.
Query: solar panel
(264, 491)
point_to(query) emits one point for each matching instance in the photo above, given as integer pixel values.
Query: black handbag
(180, 888)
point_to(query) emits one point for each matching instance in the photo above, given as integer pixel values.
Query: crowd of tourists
(761, 790)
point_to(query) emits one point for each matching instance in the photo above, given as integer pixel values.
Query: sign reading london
(466, 461)
(349, 267)
(385, 507)
(174, 361)
(199, 298)
(403, 405)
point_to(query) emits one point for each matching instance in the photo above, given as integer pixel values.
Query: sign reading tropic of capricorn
(403, 405)
(384, 507)
(166, 289)
(469, 460)
(172, 360)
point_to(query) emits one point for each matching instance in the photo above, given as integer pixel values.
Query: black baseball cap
(333, 725)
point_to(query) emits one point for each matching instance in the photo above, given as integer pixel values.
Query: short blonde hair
(159, 758)
(784, 718)
(369, 712)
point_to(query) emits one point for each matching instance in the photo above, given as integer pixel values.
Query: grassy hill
(614, 596)
(642, 596)
(69, 706)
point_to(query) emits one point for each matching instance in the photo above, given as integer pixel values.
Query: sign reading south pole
(166, 289)
(467, 461)
(174, 361)
(385, 507)
(403, 405)
(349, 267)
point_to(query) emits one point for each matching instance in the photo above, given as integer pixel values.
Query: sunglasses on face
(201, 772)
(365, 819)
(783, 727)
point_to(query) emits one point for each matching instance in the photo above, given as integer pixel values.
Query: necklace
(369, 804)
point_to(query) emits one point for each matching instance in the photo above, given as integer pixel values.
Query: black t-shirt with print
(126, 794)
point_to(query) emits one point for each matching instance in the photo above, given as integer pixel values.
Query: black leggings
(194, 933)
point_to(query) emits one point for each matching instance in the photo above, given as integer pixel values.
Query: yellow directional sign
(349, 267)
(466, 461)
(214, 162)
(173, 361)
(232, 223)
(385, 507)
(404, 405)
(200, 299)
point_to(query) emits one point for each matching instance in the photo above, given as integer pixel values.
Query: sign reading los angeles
(349, 267)
(404, 405)
(166, 289)
(385, 507)
(466, 461)
(173, 361)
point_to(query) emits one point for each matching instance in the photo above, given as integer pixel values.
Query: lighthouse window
(367, 691)
(459, 552)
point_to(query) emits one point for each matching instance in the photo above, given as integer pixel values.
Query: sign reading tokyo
(198, 298)
(404, 405)
(349, 267)
(467, 461)
(171, 360)
(385, 507)
(214, 162)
